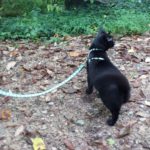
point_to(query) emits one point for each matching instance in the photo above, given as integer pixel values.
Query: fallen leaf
(10, 65)
(131, 123)
(143, 76)
(69, 144)
(142, 94)
(20, 130)
(147, 103)
(39, 67)
(5, 114)
(29, 133)
(11, 125)
(14, 53)
(50, 73)
(74, 54)
(11, 48)
(69, 90)
(147, 60)
(124, 132)
(142, 114)
(135, 59)
(132, 50)
(136, 84)
(100, 144)
(31, 53)
(38, 143)
(26, 68)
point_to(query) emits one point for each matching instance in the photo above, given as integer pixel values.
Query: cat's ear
(109, 32)
(101, 31)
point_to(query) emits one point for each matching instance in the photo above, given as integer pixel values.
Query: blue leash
(5, 93)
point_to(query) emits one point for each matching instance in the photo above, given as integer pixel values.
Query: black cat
(112, 85)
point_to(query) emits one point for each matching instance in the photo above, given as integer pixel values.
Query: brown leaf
(67, 38)
(69, 144)
(50, 73)
(131, 123)
(11, 125)
(136, 84)
(124, 132)
(5, 114)
(20, 130)
(10, 65)
(69, 90)
(142, 94)
(14, 53)
(31, 53)
(100, 144)
(131, 50)
(39, 67)
(30, 133)
(142, 114)
(74, 54)
(135, 59)
(26, 68)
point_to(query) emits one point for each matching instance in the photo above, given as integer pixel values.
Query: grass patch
(124, 19)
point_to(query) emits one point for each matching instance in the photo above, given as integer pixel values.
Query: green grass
(121, 19)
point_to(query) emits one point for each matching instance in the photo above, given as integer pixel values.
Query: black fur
(112, 85)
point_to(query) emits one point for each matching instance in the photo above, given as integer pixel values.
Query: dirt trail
(67, 119)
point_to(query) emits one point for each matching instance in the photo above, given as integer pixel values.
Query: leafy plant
(21, 7)
(122, 18)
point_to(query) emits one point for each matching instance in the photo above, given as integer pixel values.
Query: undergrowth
(119, 19)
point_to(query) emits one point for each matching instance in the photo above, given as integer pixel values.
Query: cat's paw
(111, 122)
(88, 91)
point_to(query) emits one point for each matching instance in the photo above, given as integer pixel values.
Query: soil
(67, 118)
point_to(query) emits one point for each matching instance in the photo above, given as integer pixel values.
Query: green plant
(21, 7)
(118, 19)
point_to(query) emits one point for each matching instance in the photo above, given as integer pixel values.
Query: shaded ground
(67, 118)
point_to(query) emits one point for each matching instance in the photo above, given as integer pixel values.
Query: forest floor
(68, 119)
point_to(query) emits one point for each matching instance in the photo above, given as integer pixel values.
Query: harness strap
(94, 58)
